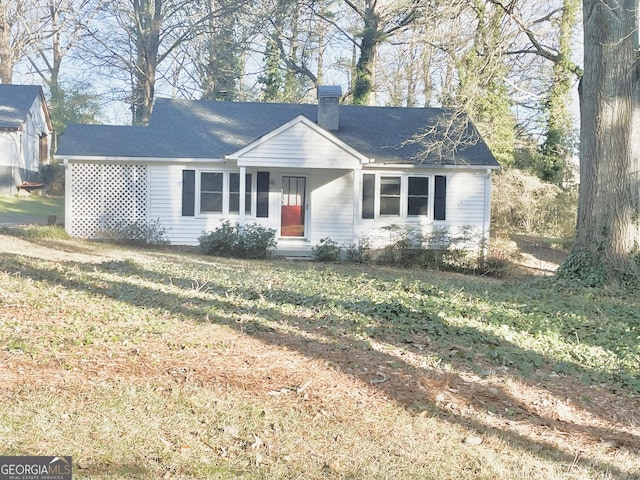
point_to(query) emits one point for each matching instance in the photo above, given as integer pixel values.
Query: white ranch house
(307, 171)
(25, 135)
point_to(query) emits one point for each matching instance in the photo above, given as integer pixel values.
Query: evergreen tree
(557, 149)
(272, 79)
(221, 66)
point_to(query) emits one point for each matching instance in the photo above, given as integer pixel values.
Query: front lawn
(32, 205)
(161, 364)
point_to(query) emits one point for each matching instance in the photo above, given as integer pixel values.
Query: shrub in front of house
(457, 250)
(240, 241)
(327, 250)
(138, 232)
(360, 252)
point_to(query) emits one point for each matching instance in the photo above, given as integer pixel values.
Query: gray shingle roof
(211, 129)
(15, 103)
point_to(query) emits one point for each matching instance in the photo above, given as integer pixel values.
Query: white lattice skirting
(103, 196)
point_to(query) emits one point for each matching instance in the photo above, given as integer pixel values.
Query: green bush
(52, 175)
(327, 250)
(359, 253)
(138, 232)
(241, 241)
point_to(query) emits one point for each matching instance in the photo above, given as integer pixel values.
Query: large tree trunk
(6, 49)
(364, 74)
(608, 229)
(149, 16)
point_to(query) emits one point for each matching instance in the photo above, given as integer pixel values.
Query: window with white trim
(417, 196)
(220, 192)
(389, 195)
(234, 193)
(402, 195)
(211, 192)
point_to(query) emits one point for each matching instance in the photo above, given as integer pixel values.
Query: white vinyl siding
(165, 205)
(24, 149)
(466, 198)
(332, 207)
(299, 147)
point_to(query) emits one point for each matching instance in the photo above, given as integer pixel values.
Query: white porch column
(243, 190)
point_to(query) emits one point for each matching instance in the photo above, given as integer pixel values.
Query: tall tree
(75, 103)
(557, 149)
(378, 22)
(220, 61)
(136, 36)
(272, 78)
(542, 71)
(60, 32)
(608, 228)
(19, 31)
(292, 35)
(482, 91)
(403, 70)
(474, 86)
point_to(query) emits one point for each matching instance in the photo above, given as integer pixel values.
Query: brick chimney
(328, 107)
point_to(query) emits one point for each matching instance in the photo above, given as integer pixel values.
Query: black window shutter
(368, 195)
(440, 198)
(262, 209)
(188, 193)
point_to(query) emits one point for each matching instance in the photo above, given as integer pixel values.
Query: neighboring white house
(25, 134)
(309, 172)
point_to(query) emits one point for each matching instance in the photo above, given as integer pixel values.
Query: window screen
(389, 195)
(211, 192)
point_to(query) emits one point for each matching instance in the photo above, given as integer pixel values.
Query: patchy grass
(32, 205)
(153, 363)
(35, 231)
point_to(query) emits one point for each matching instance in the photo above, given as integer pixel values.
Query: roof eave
(136, 159)
(411, 165)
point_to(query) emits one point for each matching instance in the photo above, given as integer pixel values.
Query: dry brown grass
(142, 392)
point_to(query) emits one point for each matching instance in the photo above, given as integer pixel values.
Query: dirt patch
(539, 257)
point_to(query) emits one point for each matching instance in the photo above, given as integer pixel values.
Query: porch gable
(299, 143)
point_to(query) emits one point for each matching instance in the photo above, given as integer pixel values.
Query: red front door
(293, 206)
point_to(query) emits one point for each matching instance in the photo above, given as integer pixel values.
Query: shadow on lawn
(414, 388)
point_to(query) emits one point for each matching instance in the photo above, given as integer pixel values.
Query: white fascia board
(312, 125)
(412, 166)
(109, 159)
